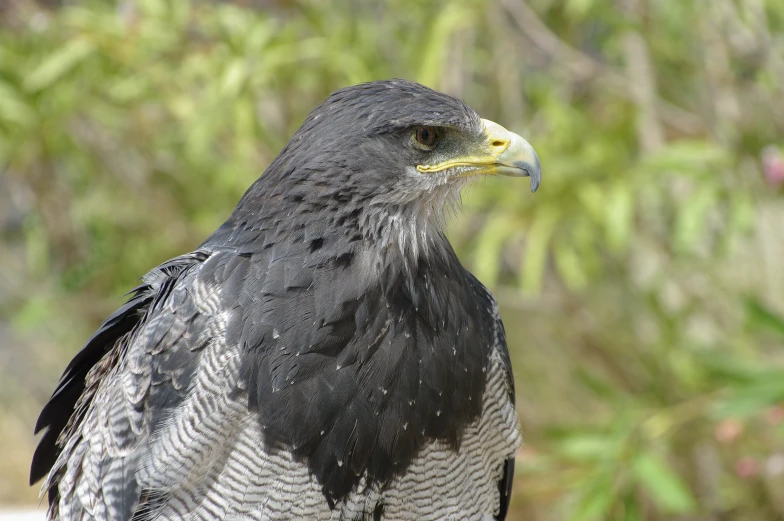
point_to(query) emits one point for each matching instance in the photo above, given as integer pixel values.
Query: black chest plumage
(354, 358)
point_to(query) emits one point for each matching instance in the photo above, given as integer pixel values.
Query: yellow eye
(426, 136)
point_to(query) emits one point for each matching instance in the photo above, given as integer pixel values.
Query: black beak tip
(536, 178)
(532, 170)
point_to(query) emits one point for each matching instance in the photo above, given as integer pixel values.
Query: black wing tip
(44, 453)
(505, 488)
(41, 423)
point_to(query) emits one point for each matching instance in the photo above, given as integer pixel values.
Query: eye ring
(426, 136)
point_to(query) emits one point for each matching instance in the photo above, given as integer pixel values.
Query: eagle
(323, 355)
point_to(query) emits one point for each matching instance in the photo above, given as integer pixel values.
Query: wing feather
(113, 393)
(505, 485)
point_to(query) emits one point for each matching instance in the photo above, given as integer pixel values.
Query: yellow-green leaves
(536, 249)
(439, 36)
(14, 108)
(495, 235)
(58, 64)
(665, 487)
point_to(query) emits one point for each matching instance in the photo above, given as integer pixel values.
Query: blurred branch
(583, 67)
(724, 106)
(640, 77)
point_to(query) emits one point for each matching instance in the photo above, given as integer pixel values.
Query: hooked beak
(514, 156)
(503, 153)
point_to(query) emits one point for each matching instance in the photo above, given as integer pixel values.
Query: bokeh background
(642, 286)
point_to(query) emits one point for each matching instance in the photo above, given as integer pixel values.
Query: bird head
(388, 152)
(403, 140)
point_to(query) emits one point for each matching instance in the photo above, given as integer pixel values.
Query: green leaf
(761, 317)
(570, 266)
(154, 8)
(742, 212)
(593, 198)
(487, 259)
(686, 157)
(667, 490)
(452, 18)
(587, 447)
(234, 77)
(742, 402)
(595, 501)
(13, 107)
(58, 64)
(578, 8)
(597, 383)
(730, 370)
(618, 212)
(536, 246)
(33, 313)
(690, 224)
(632, 509)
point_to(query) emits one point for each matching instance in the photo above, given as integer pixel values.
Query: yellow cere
(498, 139)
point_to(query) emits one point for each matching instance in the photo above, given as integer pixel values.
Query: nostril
(498, 143)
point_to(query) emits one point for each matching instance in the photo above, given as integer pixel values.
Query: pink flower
(729, 430)
(774, 415)
(773, 166)
(746, 467)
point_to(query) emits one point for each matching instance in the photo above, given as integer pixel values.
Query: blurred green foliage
(642, 286)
